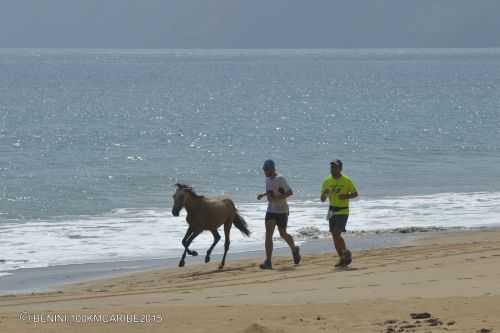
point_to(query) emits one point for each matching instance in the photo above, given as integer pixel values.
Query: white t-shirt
(278, 185)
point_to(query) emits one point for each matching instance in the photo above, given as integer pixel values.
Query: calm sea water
(92, 141)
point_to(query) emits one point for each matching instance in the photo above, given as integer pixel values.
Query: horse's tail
(239, 222)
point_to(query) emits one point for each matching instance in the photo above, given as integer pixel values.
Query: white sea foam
(154, 233)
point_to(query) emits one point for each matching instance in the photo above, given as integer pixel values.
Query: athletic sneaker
(296, 255)
(347, 256)
(340, 262)
(266, 265)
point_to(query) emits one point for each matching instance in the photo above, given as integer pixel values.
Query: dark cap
(268, 165)
(337, 163)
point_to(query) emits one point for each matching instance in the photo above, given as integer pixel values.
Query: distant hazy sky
(249, 23)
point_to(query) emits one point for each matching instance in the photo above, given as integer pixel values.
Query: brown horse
(206, 214)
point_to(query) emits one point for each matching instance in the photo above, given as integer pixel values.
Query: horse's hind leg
(193, 235)
(216, 239)
(188, 233)
(227, 229)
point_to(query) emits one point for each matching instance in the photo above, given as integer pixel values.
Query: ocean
(93, 141)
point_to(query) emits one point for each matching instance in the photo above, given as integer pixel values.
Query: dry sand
(453, 276)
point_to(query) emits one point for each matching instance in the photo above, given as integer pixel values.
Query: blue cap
(268, 165)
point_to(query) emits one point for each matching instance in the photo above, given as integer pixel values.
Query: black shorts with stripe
(281, 219)
(338, 223)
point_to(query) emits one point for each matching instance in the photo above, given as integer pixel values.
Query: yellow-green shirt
(342, 185)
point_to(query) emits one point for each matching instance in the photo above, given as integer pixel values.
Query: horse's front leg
(184, 240)
(188, 241)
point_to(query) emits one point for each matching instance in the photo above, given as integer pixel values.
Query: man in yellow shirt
(339, 189)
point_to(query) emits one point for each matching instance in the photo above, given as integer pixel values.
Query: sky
(148, 24)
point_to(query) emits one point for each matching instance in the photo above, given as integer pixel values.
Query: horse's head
(180, 198)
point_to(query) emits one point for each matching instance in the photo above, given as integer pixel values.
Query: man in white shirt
(277, 192)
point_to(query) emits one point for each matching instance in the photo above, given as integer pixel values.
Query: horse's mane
(189, 189)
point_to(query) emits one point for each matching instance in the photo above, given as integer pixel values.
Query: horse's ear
(184, 187)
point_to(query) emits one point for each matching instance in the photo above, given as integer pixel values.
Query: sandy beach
(449, 281)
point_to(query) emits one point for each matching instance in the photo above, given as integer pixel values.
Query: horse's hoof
(221, 267)
(207, 259)
(193, 253)
(181, 264)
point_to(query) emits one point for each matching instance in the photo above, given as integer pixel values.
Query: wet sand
(450, 280)
(51, 278)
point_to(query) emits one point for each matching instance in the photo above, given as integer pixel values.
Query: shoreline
(112, 236)
(46, 279)
(52, 278)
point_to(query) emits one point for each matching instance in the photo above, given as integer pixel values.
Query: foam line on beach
(113, 236)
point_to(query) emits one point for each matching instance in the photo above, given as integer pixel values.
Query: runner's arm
(324, 195)
(283, 195)
(268, 193)
(350, 195)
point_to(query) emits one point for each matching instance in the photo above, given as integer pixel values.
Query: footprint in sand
(484, 330)
(258, 328)
(102, 290)
(410, 283)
